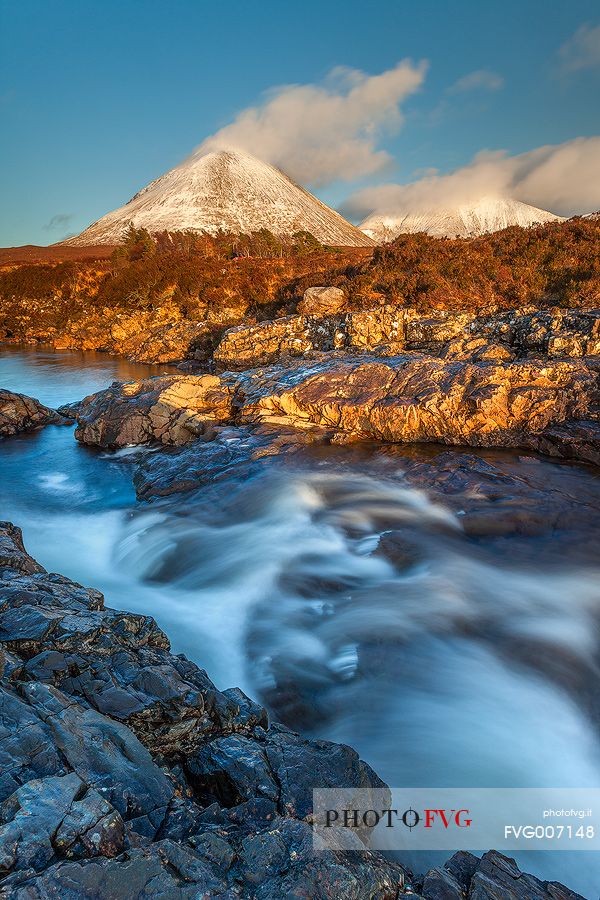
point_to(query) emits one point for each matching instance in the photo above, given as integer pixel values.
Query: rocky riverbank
(322, 326)
(547, 405)
(526, 379)
(126, 773)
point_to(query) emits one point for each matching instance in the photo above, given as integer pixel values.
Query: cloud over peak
(561, 178)
(319, 133)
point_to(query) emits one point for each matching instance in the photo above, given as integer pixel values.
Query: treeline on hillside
(228, 277)
(186, 276)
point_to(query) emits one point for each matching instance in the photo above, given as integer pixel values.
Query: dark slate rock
(279, 766)
(165, 869)
(499, 878)
(53, 817)
(439, 884)
(189, 468)
(462, 867)
(105, 754)
(12, 551)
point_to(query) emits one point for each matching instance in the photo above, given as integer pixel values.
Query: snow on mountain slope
(486, 214)
(227, 190)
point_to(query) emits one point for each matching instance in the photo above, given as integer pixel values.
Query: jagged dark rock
(21, 413)
(87, 695)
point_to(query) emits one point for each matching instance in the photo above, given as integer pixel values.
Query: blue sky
(97, 99)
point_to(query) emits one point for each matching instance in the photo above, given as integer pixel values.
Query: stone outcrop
(171, 409)
(248, 346)
(393, 329)
(423, 399)
(163, 343)
(493, 877)
(20, 413)
(126, 774)
(387, 330)
(554, 332)
(477, 349)
(541, 404)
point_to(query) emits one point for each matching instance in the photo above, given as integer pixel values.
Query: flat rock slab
(549, 405)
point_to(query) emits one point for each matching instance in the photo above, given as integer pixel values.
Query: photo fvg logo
(445, 818)
(409, 818)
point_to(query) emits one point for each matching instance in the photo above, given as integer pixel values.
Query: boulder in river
(21, 413)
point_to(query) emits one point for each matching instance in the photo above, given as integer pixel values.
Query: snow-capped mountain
(227, 190)
(466, 220)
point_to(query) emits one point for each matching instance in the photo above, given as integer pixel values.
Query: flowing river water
(448, 660)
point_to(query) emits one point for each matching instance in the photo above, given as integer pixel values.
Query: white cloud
(322, 133)
(562, 178)
(482, 79)
(582, 50)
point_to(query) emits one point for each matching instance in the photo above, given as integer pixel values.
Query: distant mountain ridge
(484, 215)
(226, 190)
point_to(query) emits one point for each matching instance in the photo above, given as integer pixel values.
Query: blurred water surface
(349, 600)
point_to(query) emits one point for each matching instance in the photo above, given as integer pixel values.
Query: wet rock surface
(20, 413)
(125, 773)
(547, 405)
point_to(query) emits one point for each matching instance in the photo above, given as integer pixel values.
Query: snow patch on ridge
(485, 215)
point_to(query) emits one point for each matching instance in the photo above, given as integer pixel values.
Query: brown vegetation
(30, 253)
(175, 279)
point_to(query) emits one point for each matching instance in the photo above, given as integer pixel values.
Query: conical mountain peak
(225, 190)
